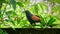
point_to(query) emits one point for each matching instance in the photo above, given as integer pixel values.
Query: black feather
(28, 15)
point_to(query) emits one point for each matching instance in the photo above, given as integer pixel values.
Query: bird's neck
(28, 14)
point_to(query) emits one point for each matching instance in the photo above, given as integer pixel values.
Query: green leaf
(43, 6)
(13, 2)
(18, 20)
(36, 9)
(58, 1)
(2, 1)
(10, 20)
(1, 15)
(51, 21)
(5, 32)
(20, 4)
(56, 8)
(0, 4)
(2, 32)
(42, 20)
(51, 25)
(9, 14)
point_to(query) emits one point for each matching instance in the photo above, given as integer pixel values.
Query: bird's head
(25, 11)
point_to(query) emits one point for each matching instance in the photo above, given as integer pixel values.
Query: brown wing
(35, 18)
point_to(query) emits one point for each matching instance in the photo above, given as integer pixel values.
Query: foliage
(11, 15)
(2, 32)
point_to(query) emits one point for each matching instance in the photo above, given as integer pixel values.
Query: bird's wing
(35, 18)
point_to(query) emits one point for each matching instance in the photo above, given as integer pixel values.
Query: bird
(31, 17)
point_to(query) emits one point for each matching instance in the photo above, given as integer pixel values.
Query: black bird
(32, 18)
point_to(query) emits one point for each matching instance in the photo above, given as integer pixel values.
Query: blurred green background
(11, 15)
